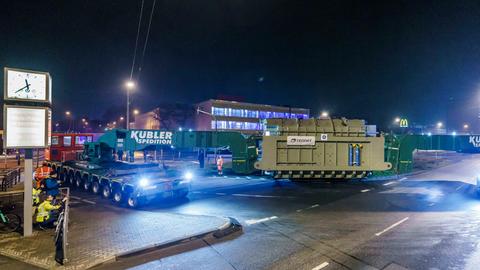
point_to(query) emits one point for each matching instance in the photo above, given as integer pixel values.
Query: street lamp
(466, 126)
(121, 118)
(324, 114)
(397, 120)
(439, 125)
(67, 113)
(130, 85)
(135, 112)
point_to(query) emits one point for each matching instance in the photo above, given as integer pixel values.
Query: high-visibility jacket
(219, 163)
(36, 195)
(44, 210)
(42, 173)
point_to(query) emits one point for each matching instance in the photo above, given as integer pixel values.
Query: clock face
(27, 85)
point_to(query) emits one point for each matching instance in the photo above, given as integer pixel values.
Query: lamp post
(130, 85)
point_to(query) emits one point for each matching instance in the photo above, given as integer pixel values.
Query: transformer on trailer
(321, 148)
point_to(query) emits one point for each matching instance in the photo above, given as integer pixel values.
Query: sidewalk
(99, 234)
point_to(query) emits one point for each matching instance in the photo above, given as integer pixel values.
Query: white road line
(237, 177)
(260, 196)
(321, 266)
(389, 183)
(248, 177)
(432, 204)
(313, 206)
(88, 201)
(365, 190)
(459, 187)
(255, 221)
(404, 178)
(262, 178)
(299, 210)
(392, 226)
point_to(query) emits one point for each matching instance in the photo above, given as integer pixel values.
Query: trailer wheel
(133, 201)
(96, 188)
(106, 192)
(118, 196)
(78, 181)
(86, 185)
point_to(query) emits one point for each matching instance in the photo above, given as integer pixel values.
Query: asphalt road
(416, 222)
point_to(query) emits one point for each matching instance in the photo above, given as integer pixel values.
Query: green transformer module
(321, 148)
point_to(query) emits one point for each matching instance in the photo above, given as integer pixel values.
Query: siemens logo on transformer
(474, 140)
(151, 137)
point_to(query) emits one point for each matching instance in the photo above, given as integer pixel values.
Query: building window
(54, 140)
(80, 140)
(67, 141)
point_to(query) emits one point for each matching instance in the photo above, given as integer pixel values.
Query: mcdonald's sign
(403, 123)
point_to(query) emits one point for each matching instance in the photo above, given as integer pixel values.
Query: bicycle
(9, 222)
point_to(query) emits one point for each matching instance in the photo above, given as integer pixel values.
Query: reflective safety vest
(36, 195)
(42, 173)
(44, 211)
(220, 163)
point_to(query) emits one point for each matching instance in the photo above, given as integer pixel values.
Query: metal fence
(9, 178)
(61, 235)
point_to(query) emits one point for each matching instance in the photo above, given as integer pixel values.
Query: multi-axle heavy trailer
(96, 170)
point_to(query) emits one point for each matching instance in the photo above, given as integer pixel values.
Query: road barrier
(9, 178)
(61, 232)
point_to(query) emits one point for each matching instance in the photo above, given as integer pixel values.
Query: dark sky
(363, 59)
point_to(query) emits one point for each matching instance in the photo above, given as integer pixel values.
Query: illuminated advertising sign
(404, 123)
(26, 127)
(151, 137)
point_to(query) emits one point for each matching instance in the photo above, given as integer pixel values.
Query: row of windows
(237, 125)
(255, 113)
(67, 140)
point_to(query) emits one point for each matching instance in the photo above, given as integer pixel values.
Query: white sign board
(300, 140)
(25, 127)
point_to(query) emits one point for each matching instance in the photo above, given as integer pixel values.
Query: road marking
(225, 176)
(365, 190)
(262, 178)
(255, 221)
(196, 192)
(221, 193)
(432, 204)
(88, 201)
(389, 183)
(392, 226)
(237, 177)
(404, 178)
(299, 210)
(321, 266)
(260, 196)
(459, 187)
(248, 177)
(313, 206)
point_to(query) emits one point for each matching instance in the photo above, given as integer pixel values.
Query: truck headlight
(144, 182)
(188, 176)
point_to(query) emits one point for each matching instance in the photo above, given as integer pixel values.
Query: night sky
(362, 59)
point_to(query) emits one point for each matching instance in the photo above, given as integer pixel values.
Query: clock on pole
(27, 85)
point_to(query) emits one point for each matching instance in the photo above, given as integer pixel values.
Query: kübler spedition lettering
(151, 137)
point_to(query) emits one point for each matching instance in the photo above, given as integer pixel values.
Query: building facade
(166, 116)
(246, 117)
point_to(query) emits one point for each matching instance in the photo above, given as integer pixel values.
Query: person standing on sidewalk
(41, 173)
(220, 165)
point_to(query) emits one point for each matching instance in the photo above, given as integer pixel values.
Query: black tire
(13, 224)
(106, 192)
(78, 181)
(134, 201)
(118, 196)
(86, 185)
(96, 187)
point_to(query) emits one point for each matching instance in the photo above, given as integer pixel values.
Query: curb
(230, 226)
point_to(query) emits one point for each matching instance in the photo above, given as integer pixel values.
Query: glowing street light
(397, 120)
(68, 113)
(83, 120)
(466, 126)
(130, 85)
(121, 118)
(135, 112)
(324, 114)
(439, 125)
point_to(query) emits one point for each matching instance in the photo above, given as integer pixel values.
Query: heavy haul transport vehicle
(321, 148)
(133, 184)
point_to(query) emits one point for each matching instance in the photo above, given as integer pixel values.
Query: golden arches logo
(403, 123)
